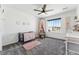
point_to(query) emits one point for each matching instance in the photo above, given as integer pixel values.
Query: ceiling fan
(43, 10)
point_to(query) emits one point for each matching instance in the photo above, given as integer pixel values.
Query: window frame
(54, 25)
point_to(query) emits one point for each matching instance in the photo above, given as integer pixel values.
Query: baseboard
(55, 38)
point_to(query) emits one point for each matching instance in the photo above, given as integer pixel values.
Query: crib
(26, 36)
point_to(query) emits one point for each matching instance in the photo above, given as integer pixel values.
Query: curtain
(41, 25)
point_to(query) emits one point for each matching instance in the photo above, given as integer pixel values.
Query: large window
(54, 25)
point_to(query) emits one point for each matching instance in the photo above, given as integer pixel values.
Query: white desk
(72, 39)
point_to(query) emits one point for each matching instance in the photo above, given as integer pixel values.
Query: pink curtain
(41, 25)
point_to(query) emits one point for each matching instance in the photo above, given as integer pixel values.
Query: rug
(31, 45)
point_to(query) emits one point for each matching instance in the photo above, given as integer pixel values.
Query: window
(54, 25)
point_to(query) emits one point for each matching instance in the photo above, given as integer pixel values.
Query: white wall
(62, 34)
(1, 29)
(1, 33)
(17, 21)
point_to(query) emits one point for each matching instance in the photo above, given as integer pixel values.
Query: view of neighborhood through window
(54, 25)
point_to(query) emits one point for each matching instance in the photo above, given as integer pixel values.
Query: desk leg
(66, 47)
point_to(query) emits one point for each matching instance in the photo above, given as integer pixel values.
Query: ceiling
(28, 8)
(58, 8)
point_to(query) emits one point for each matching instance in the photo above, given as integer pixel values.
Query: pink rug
(31, 45)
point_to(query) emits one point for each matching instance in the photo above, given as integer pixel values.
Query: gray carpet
(47, 47)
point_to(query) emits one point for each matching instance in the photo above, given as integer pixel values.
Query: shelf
(72, 38)
(73, 42)
(73, 51)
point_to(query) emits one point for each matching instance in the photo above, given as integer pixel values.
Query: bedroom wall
(17, 21)
(64, 15)
(1, 33)
(1, 29)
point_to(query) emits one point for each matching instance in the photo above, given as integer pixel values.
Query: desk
(71, 39)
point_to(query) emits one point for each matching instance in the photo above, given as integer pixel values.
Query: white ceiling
(58, 8)
(28, 8)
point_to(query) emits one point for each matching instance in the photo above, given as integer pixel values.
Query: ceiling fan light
(65, 8)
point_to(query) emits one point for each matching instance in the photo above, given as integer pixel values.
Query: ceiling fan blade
(37, 10)
(44, 6)
(39, 13)
(45, 12)
(49, 10)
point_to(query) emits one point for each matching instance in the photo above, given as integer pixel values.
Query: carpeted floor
(48, 46)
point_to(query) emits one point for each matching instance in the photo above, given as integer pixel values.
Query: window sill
(55, 32)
